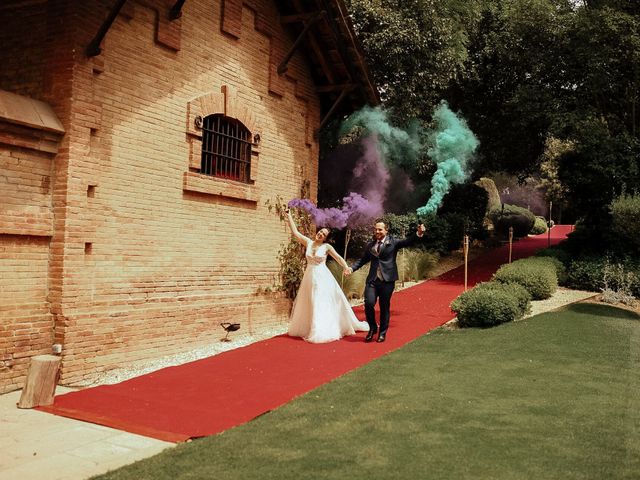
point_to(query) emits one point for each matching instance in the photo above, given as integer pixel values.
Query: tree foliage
(414, 49)
(549, 85)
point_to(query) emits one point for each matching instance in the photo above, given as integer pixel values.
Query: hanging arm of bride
(336, 256)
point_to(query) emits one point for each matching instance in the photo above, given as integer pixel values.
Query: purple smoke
(370, 175)
(356, 211)
(370, 178)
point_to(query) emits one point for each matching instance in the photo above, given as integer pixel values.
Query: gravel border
(147, 366)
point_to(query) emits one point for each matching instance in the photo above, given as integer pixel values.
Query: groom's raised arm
(413, 237)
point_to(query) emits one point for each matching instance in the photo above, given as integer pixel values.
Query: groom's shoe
(369, 337)
(382, 337)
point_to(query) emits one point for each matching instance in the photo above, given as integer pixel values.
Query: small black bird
(229, 327)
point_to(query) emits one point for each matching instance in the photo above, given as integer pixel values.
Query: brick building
(139, 143)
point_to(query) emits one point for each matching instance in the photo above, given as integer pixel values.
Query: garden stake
(510, 242)
(347, 237)
(402, 264)
(549, 225)
(465, 249)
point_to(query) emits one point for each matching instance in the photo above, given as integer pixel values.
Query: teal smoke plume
(453, 145)
(397, 146)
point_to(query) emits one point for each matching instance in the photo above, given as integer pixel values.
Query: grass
(556, 396)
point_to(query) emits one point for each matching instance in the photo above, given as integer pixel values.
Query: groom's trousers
(380, 291)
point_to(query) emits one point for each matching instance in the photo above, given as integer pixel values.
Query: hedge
(537, 275)
(521, 219)
(491, 303)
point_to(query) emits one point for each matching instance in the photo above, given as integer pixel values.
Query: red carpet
(209, 396)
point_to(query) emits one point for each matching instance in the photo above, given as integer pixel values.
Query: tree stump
(40, 385)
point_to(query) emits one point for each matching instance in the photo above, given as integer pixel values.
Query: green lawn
(556, 396)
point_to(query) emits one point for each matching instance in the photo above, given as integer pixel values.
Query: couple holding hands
(321, 312)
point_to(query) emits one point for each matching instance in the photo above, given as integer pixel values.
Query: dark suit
(383, 273)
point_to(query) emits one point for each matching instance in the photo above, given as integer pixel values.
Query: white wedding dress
(321, 313)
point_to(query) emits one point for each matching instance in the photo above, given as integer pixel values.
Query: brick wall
(26, 224)
(26, 326)
(143, 265)
(21, 56)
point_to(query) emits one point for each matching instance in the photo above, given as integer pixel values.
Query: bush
(425, 264)
(586, 273)
(596, 273)
(558, 266)
(538, 277)
(556, 252)
(618, 284)
(464, 208)
(490, 304)
(521, 219)
(438, 234)
(415, 264)
(539, 226)
(625, 212)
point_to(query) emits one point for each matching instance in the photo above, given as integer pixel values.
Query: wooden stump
(40, 385)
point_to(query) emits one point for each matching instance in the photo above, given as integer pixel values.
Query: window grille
(226, 148)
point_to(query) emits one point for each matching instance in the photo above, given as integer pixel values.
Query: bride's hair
(328, 233)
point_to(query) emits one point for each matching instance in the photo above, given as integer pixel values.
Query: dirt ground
(632, 308)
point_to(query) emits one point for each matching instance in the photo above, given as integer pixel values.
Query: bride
(321, 312)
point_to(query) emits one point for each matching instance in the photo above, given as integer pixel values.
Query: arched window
(226, 148)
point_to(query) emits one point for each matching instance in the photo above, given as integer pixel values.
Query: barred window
(226, 148)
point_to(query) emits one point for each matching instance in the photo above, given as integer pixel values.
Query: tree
(598, 108)
(413, 48)
(512, 76)
(601, 167)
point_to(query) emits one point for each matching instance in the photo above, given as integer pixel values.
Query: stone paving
(39, 446)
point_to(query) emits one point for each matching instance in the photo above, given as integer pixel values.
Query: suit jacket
(386, 259)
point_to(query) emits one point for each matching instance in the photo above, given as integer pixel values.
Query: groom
(383, 273)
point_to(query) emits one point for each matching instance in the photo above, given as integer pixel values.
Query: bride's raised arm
(336, 256)
(300, 237)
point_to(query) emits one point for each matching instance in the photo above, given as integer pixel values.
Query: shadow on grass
(604, 311)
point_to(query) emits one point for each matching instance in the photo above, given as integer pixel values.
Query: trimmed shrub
(490, 304)
(539, 226)
(561, 270)
(538, 277)
(556, 252)
(493, 197)
(518, 292)
(521, 219)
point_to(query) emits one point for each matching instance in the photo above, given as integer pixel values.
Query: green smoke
(452, 147)
(397, 146)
